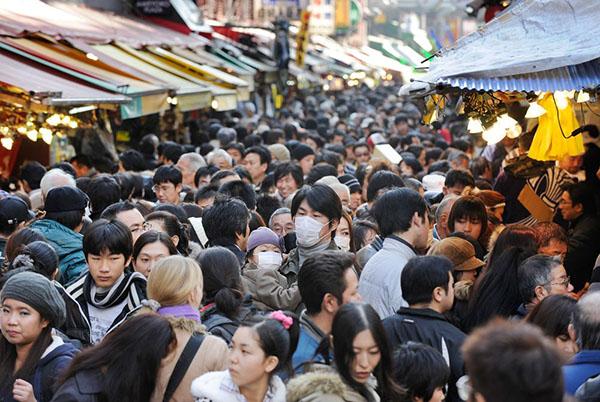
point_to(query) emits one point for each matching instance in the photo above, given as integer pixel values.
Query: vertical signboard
(302, 38)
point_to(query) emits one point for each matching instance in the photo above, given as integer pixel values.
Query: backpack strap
(182, 365)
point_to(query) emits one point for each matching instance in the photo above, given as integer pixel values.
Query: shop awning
(534, 42)
(223, 99)
(190, 96)
(21, 75)
(211, 74)
(146, 98)
(71, 21)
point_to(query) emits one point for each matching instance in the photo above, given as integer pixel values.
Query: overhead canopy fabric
(53, 89)
(223, 99)
(191, 96)
(146, 98)
(530, 37)
(66, 20)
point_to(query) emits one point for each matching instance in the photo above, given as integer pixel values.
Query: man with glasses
(541, 276)
(168, 185)
(127, 213)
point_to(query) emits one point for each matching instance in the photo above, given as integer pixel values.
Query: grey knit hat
(38, 292)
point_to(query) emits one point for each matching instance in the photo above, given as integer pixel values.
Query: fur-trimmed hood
(321, 386)
(462, 290)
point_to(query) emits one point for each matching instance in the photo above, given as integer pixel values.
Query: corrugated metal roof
(581, 76)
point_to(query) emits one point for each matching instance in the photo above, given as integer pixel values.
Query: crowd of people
(289, 259)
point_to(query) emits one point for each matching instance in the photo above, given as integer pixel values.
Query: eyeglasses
(565, 282)
(144, 227)
(163, 188)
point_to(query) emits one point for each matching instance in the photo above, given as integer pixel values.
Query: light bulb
(46, 135)
(535, 111)
(474, 126)
(4, 130)
(32, 134)
(65, 120)
(7, 142)
(214, 104)
(583, 97)
(73, 124)
(494, 134)
(514, 132)
(54, 120)
(561, 99)
(22, 130)
(506, 121)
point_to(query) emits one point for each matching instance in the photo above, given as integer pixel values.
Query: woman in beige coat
(175, 292)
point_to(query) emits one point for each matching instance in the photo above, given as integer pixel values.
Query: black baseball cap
(14, 210)
(65, 199)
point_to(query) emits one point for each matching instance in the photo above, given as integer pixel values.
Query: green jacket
(68, 245)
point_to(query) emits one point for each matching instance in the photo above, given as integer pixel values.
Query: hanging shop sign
(302, 38)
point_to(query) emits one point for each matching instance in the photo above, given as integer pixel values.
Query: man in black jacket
(577, 206)
(427, 286)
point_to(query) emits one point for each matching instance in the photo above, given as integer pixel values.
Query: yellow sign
(342, 14)
(302, 38)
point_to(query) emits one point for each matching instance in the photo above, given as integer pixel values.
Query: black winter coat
(84, 386)
(583, 249)
(430, 328)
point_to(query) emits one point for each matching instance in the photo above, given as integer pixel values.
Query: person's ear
(271, 363)
(179, 187)
(417, 221)
(45, 323)
(540, 292)
(438, 294)
(330, 303)
(445, 190)
(578, 208)
(175, 240)
(572, 333)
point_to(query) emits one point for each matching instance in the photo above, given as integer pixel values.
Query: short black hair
(469, 206)
(82, 160)
(420, 369)
(167, 174)
(478, 166)
(319, 171)
(32, 172)
(262, 152)
(204, 171)
(240, 190)
(227, 218)
(582, 193)
(395, 209)
(459, 177)
(113, 210)
(172, 152)
(289, 168)
(272, 136)
(220, 175)
(442, 166)
(206, 192)
(132, 185)
(266, 205)
(103, 191)
(433, 155)
(321, 274)
(384, 179)
(421, 275)
(65, 167)
(322, 199)
(133, 160)
(112, 236)
(331, 158)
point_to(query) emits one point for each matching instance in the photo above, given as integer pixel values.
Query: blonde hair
(173, 279)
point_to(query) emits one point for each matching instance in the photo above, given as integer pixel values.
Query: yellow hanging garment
(549, 144)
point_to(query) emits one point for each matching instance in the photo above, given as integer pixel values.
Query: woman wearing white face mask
(317, 212)
(260, 275)
(343, 234)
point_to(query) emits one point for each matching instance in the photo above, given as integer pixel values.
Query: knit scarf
(127, 285)
(182, 310)
(305, 252)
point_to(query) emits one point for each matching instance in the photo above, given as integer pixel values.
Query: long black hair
(497, 291)
(222, 280)
(128, 358)
(274, 339)
(8, 357)
(349, 321)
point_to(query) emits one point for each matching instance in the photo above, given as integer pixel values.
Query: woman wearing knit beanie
(32, 357)
(260, 275)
